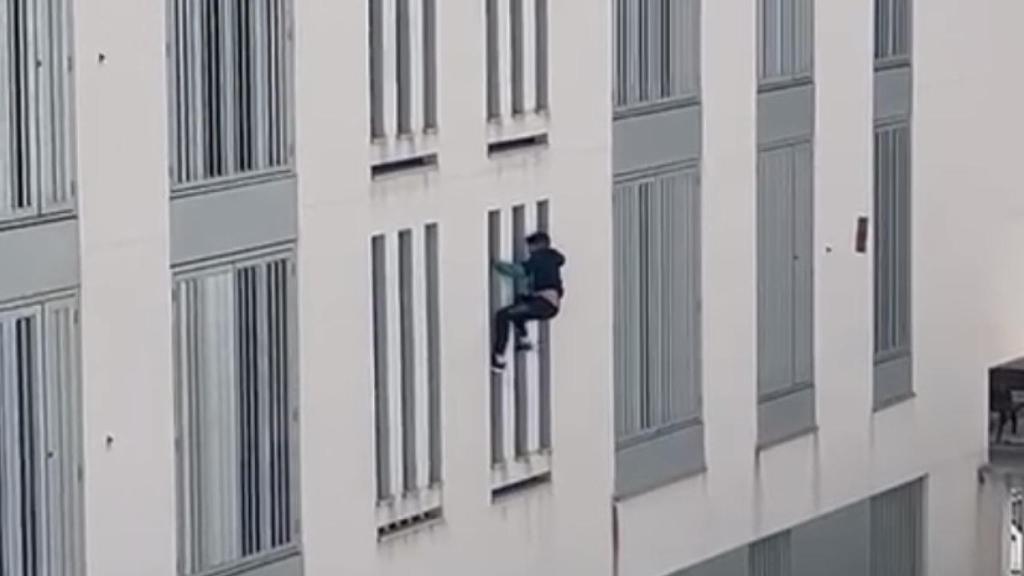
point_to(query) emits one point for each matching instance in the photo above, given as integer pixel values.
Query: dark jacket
(544, 269)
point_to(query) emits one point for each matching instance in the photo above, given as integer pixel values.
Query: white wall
(967, 307)
(564, 528)
(125, 293)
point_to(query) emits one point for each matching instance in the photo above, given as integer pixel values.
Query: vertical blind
(771, 556)
(896, 532)
(36, 168)
(40, 442)
(407, 371)
(892, 29)
(785, 243)
(517, 57)
(657, 51)
(403, 67)
(236, 408)
(892, 241)
(657, 302)
(230, 71)
(785, 39)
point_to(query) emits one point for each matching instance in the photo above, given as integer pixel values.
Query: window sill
(884, 64)
(252, 564)
(624, 112)
(231, 183)
(780, 84)
(37, 219)
(894, 401)
(806, 431)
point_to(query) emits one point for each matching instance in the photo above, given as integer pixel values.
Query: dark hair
(539, 237)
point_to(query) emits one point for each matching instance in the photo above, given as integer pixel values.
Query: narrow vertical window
(403, 84)
(542, 56)
(380, 365)
(407, 377)
(518, 65)
(376, 68)
(430, 64)
(892, 31)
(433, 316)
(408, 358)
(517, 37)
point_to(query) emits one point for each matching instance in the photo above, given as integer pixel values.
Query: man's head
(538, 241)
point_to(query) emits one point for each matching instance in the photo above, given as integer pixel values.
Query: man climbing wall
(541, 300)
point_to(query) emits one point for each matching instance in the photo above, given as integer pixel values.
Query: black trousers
(525, 309)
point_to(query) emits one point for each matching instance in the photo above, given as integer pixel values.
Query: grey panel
(803, 264)
(785, 115)
(836, 544)
(734, 563)
(659, 461)
(643, 142)
(234, 219)
(775, 271)
(785, 417)
(893, 93)
(38, 259)
(894, 381)
(772, 556)
(897, 531)
(291, 566)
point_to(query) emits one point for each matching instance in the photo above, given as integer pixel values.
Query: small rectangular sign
(862, 235)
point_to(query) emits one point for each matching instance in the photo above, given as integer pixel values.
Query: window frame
(64, 163)
(891, 59)
(766, 83)
(178, 150)
(693, 416)
(203, 270)
(623, 58)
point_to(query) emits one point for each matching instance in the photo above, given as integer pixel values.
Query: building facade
(246, 286)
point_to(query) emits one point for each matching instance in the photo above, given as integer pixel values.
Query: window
(403, 68)
(897, 531)
(36, 149)
(785, 244)
(234, 334)
(892, 258)
(657, 305)
(40, 442)
(892, 30)
(407, 377)
(521, 396)
(785, 40)
(657, 51)
(517, 57)
(230, 95)
(772, 556)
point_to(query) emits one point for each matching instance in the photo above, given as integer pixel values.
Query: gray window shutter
(776, 252)
(236, 405)
(897, 532)
(41, 523)
(657, 51)
(230, 72)
(36, 151)
(785, 40)
(771, 556)
(892, 30)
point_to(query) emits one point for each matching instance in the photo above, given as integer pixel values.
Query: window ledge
(37, 220)
(805, 431)
(779, 84)
(622, 113)
(231, 183)
(251, 564)
(894, 401)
